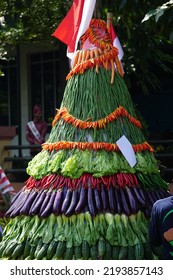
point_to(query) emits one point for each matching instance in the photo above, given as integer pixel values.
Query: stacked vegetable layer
(83, 200)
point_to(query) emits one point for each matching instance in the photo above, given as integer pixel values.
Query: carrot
(84, 54)
(92, 56)
(119, 66)
(93, 146)
(103, 61)
(109, 47)
(120, 111)
(112, 71)
(79, 58)
(106, 59)
(75, 59)
(96, 53)
(87, 55)
(100, 51)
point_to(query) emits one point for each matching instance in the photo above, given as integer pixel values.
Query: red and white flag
(5, 185)
(75, 23)
(115, 41)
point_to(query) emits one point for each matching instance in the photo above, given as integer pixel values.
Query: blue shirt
(161, 225)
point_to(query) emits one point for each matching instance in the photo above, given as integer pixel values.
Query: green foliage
(159, 11)
(31, 20)
(147, 45)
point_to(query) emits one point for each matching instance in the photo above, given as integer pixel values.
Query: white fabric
(87, 13)
(34, 130)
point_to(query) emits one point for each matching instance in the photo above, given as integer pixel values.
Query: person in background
(161, 226)
(36, 130)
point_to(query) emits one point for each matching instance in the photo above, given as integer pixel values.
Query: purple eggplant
(155, 195)
(67, 201)
(112, 200)
(18, 204)
(21, 198)
(16, 210)
(159, 195)
(98, 200)
(91, 202)
(126, 208)
(82, 200)
(142, 193)
(45, 201)
(27, 205)
(47, 211)
(73, 203)
(85, 209)
(147, 212)
(39, 192)
(118, 201)
(16, 196)
(37, 204)
(104, 197)
(132, 200)
(137, 194)
(164, 193)
(57, 202)
(150, 197)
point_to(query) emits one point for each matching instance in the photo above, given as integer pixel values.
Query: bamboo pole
(109, 19)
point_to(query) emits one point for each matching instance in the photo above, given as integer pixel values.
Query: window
(44, 83)
(9, 94)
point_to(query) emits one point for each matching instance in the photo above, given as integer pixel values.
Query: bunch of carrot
(104, 54)
(97, 57)
(118, 112)
(93, 146)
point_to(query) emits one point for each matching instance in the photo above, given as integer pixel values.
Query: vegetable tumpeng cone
(83, 200)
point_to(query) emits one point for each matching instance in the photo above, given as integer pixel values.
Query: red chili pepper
(62, 182)
(120, 180)
(49, 180)
(68, 182)
(44, 180)
(38, 184)
(79, 181)
(135, 180)
(73, 184)
(28, 183)
(31, 184)
(105, 180)
(125, 179)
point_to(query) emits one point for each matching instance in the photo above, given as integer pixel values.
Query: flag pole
(109, 19)
(115, 41)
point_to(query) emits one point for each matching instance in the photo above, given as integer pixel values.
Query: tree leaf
(159, 11)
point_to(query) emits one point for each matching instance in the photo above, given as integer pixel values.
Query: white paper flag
(127, 150)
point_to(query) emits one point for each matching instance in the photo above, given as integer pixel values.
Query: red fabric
(42, 129)
(68, 29)
(5, 185)
(112, 32)
(115, 41)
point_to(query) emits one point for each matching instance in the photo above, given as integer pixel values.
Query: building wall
(25, 88)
